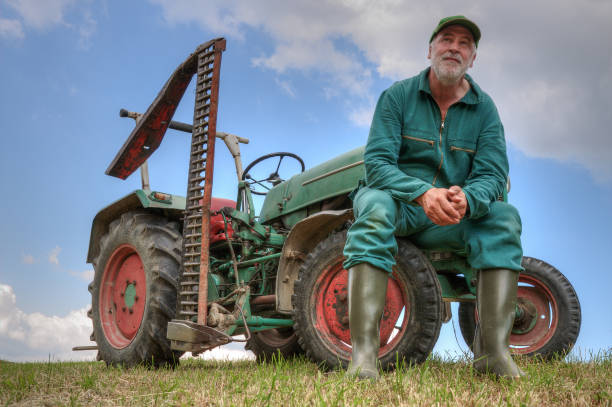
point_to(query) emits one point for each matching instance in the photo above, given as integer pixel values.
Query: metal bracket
(191, 337)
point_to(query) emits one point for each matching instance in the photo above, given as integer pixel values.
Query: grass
(299, 382)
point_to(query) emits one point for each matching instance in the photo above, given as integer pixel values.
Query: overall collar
(472, 97)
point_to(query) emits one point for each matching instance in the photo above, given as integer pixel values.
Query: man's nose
(454, 46)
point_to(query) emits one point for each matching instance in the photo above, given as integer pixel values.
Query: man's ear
(473, 58)
(429, 52)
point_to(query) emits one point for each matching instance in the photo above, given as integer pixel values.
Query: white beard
(448, 73)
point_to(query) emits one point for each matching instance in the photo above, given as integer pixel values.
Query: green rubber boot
(496, 302)
(367, 290)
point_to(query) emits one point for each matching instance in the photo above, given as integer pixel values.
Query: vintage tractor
(175, 274)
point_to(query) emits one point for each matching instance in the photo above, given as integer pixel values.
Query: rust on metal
(264, 299)
(152, 126)
(211, 132)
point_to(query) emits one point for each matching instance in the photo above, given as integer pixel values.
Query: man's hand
(444, 206)
(438, 207)
(458, 199)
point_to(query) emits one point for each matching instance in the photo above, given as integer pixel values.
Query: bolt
(135, 298)
(127, 282)
(110, 310)
(123, 309)
(121, 294)
(131, 311)
(134, 282)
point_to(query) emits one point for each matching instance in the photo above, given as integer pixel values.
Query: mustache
(454, 55)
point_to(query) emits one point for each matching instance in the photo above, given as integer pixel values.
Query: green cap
(460, 20)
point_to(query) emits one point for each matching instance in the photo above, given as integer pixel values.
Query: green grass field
(298, 382)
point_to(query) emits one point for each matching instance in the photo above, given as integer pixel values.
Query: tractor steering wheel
(274, 178)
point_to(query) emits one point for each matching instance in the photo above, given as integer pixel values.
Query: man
(436, 166)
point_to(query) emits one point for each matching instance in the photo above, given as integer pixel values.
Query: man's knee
(505, 217)
(375, 205)
(494, 241)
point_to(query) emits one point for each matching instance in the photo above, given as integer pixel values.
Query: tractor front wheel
(134, 292)
(548, 315)
(411, 319)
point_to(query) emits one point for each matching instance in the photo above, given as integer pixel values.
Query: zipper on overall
(441, 154)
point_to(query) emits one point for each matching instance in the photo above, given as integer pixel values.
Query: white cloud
(286, 87)
(232, 351)
(362, 116)
(11, 28)
(27, 259)
(552, 88)
(86, 29)
(86, 275)
(45, 14)
(37, 336)
(53, 255)
(41, 13)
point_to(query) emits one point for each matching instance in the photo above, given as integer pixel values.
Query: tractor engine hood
(337, 176)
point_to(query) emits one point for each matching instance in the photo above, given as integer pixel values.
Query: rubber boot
(367, 290)
(496, 302)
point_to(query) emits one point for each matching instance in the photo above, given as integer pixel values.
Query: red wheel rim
(122, 296)
(538, 296)
(330, 312)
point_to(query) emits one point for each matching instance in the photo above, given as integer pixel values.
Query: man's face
(452, 52)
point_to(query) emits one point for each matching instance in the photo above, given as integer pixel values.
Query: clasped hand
(444, 206)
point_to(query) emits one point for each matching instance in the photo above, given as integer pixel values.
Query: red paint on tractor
(121, 320)
(217, 226)
(331, 309)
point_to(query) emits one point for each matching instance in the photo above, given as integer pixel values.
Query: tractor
(178, 274)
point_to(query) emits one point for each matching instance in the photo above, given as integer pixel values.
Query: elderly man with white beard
(436, 167)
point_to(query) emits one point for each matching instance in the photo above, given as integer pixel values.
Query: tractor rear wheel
(274, 342)
(134, 292)
(411, 319)
(548, 313)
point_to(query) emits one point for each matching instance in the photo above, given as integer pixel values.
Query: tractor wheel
(272, 342)
(548, 316)
(411, 320)
(134, 292)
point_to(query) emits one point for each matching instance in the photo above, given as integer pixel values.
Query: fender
(304, 236)
(172, 206)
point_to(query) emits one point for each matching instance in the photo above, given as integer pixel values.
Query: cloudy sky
(297, 76)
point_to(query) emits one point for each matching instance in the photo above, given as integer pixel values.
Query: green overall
(409, 151)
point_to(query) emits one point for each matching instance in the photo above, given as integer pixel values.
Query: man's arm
(383, 148)
(489, 174)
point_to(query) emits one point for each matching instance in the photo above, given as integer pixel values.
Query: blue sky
(296, 77)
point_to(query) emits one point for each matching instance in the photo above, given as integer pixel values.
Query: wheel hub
(526, 316)
(122, 296)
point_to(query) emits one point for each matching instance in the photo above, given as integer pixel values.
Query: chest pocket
(466, 146)
(418, 146)
(460, 159)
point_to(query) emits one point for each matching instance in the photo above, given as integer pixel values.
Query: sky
(297, 76)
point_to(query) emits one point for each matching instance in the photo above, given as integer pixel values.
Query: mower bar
(151, 127)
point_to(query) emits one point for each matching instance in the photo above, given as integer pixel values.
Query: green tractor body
(186, 274)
